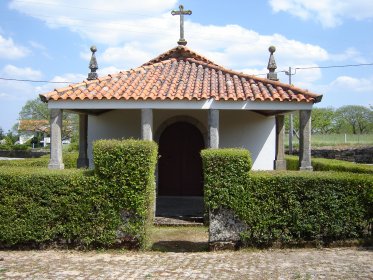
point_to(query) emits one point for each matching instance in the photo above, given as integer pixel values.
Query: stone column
(305, 140)
(147, 124)
(280, 163)
(83, 143)
(56, 140)
(213, 128)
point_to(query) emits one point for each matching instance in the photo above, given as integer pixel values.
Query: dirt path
(339, 263)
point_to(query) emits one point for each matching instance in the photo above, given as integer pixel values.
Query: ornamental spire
(272, 65)
(93, 65)
(181, 12)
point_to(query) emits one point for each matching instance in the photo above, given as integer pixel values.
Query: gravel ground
(336, 263)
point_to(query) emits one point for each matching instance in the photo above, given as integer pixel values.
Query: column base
(82, 163)
(280, 164)
(56, 166)
(305, 167)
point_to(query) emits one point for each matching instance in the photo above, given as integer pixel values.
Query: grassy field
(319, 140)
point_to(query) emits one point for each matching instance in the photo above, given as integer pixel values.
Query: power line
(261, 74)
(33, 81)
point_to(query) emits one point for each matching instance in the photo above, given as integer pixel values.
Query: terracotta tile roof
(181, 74)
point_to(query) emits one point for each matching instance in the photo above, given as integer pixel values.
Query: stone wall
(359, 155)
(224, 229)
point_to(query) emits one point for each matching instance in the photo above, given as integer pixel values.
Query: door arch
(180, 163)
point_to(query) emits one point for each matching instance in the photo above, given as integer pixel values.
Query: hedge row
(80, 208)
(323, 164)
(130, 167)
(69, 159)
(292, 207)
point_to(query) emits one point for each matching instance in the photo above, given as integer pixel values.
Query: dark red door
(180, 164)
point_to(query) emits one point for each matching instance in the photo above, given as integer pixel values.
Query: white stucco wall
(242, 128)
(115, 124)
(252, 131)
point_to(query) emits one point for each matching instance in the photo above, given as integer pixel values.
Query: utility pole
(291, 128)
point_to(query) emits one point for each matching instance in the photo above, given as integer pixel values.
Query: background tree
(37, 110)
(354, 118)
(323, 120)
(1, 133)
(34, 110)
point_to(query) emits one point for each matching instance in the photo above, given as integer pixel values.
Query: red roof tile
(181, 74)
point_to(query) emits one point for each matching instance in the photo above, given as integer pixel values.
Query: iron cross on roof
(181, 13)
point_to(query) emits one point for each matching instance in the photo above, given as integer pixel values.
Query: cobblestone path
(339, 263)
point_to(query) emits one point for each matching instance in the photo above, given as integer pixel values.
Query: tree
(34, 110)
(323, 120)
(354, 118)
(37, 110)
(1, 133)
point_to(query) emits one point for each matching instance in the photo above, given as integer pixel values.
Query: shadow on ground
(179, 239)
(180, 246)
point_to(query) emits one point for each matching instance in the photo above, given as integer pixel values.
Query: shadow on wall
(251, 131)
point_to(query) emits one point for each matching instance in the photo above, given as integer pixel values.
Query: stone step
(178, 221)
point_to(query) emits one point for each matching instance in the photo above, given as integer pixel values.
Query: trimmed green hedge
(69, 159)
(80, 208)
(292, 207)
(130, 167)
(221, 169)
(323, 164)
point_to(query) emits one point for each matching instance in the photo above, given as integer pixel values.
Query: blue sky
(50, 40)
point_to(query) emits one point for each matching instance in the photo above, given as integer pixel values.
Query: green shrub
(323, 164)
(224, 168)
(21, 147)
(291, 207)
(69, 159)
(302, 206)
(129, 166)
(80, 208)
(27, 162)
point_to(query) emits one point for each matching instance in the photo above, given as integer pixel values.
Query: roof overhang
(92, 105)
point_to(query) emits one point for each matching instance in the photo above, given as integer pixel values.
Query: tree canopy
(347, 119)
(37, 110)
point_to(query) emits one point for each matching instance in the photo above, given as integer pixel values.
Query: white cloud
(108, 70)
(134, 32)
(12, 71)
(329, 13)
(111, 23)
(124, 57)
(9, 50)
(69, 78)
(348, 83)
(347, 90)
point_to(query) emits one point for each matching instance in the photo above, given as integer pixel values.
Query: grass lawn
(327, 140)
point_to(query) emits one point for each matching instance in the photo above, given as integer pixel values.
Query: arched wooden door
(180, 163)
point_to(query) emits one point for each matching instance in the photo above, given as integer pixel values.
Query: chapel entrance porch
(180, 176)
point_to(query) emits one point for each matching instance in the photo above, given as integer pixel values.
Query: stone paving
(336, 263)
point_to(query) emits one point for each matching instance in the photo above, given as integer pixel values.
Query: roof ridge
(179, 51)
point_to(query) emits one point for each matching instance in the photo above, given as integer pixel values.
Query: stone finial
(93, 65)
(272, 65)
